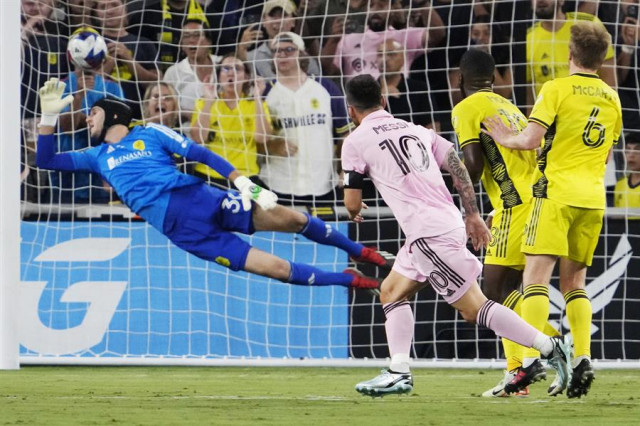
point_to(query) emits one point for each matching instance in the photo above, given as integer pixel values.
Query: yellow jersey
(626, 195)
(231, 135)
(548, 52)
(507, 172)
(583, 118)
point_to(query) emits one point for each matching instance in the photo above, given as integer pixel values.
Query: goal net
(99, 285)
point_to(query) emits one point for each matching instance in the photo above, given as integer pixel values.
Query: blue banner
(122, 289)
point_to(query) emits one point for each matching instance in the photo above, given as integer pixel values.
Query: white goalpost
(92, 284)
(9, 184)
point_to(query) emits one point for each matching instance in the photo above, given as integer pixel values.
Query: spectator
(188, 76)
(406, 98)
(43, 52)
(162, 21)
(277, 16)
(327, 21)
(75, 14)
(234, 123)
(43, 56)
(481, 37)
(86, 87)
(160, 105)
(131, 60)
(629, 73)
(309, 115)
(548, 46)
(228, 18)
(627, 189)
(356, 53)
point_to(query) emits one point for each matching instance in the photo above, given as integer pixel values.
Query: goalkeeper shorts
(558, 229)
(506, 237)
(201, 219)
(443, 260)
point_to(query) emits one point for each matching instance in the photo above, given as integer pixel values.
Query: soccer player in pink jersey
(404, 161)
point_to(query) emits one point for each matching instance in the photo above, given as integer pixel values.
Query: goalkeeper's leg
(284, 219)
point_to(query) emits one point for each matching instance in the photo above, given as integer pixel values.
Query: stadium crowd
(261, 82)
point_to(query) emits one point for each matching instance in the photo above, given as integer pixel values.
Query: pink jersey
(403, 161)
(357, 52)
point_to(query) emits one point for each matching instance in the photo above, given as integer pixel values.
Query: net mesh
(146, 298)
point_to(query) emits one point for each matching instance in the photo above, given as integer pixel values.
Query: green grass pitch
(295, 396)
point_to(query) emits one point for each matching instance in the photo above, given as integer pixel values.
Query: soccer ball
(87, 49)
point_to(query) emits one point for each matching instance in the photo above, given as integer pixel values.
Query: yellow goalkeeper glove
(52, 102)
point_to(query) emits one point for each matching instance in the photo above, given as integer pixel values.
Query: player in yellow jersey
(580, 118)
(548, 46)
(506, 177)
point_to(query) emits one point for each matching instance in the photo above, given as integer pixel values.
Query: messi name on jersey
(114, 162)
(302, 121)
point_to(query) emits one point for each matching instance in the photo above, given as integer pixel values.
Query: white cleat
(498, 390)
(386, 383)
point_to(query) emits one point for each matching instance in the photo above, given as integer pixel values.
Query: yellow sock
(535, 311)
(512, 350)
(579, 315)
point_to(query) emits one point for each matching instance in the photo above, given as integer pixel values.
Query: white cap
(289, 37)
(287, 6)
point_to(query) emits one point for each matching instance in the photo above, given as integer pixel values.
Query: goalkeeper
(200, 219)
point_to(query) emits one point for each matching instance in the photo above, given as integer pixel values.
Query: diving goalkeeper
(139, 166)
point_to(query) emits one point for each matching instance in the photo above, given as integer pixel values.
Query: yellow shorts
(506, 237)
(557, 229)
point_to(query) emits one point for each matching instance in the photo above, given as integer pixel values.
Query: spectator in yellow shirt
(627, 190)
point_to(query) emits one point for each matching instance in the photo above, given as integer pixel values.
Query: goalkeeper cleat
(374, 256)
(498, 390)
(386, 383)
(361, 281)
(581, 379)
(560, 360)
(526, 376)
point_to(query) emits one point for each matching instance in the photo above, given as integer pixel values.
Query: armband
(353, 180)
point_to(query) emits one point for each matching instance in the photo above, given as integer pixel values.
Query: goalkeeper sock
(322, 233)
(399, 327)
(579, 315)
(506, 323)
(513, 351)
(535, 311)
(304, 274)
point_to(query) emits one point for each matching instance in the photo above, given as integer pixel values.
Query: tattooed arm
(476, 228)
(461, 181)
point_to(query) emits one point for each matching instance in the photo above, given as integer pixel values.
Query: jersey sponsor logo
(110, 149)
(114, 162)
(100, 298)
(139, 145)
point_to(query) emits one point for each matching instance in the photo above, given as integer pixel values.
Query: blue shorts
(201, 219)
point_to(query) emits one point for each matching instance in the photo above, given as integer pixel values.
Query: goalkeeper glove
(52, 102)
(252, 192)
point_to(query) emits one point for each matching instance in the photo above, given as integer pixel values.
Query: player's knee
(280, 269)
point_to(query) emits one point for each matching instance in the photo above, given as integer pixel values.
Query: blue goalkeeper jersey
(141, 168)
